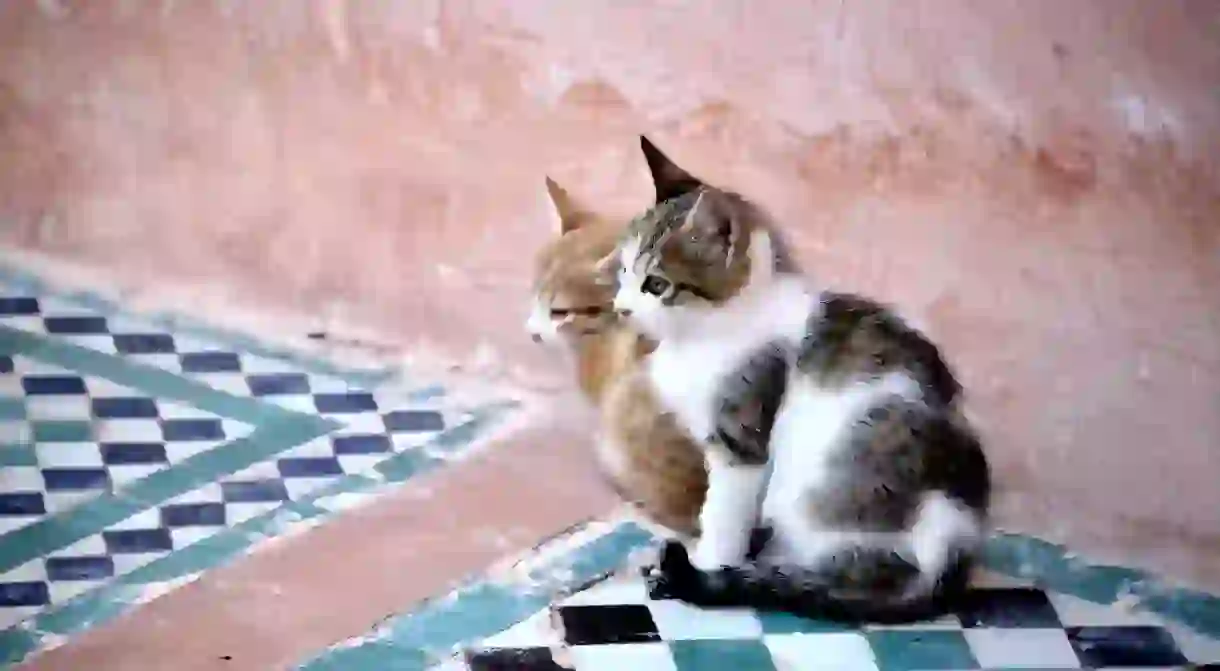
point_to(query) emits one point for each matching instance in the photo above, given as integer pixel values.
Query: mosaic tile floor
(1060, 615)
(137, 451)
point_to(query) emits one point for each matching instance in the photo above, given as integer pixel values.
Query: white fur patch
(540, 323)
(942, 526)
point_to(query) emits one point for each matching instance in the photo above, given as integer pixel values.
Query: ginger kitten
(648, 459)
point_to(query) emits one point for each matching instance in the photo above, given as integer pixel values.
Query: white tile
(27, 366)
(1198, 648)
(69, 455)
(251, 363)
(234, 429)
(360, 423)
(125, 474)
(318, 447)
(536, 631)
(325, 384)
(1022, 648)
(650, 656)
(679, 621)
(230, 383)
(66, 590)
(102, 388)
(127, 431)
(15, 479)
(299, 488)
(175, 410)
(184, 536)
(14, 522)
(27, 323)
(344, 501)
(821, 652)
(57, 502)
(58, 406)
(17, 615)
(89, 546)
(126, 563)
(97, 343)
(209, 493)
(360, 463)
(302, 403)
(10, 386)
(1075, 612)
(31, 571)
(623, 590)
(257, 471)
(51, 306)
(169, 362)
(236, 513)
(178, 452)
(145, 519)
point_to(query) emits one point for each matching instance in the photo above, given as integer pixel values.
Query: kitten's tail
(869, 586)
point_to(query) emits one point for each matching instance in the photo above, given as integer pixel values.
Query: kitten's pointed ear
(568, 211)
(669, 180)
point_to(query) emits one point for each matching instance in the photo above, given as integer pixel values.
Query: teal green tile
(715, 655)
(18, 455)
(61, 431)
(783, 623)
(1198, 610)
(413, 462)
(12, 408)
(16, 644)
(922, 650)
(52, 533)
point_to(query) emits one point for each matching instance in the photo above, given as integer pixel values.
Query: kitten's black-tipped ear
(670, 180)
(566, 208)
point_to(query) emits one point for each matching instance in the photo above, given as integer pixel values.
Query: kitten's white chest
(687, 377)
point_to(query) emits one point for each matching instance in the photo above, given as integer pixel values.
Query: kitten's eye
(657, 286)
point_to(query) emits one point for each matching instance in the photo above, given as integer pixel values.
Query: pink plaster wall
(1034, 180)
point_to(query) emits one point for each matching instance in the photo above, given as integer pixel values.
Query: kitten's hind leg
(729, 511)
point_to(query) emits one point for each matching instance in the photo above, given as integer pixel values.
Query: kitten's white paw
(711, 556)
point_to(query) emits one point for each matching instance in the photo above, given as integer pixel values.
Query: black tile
(1010, 608)
(513, 659)
(210, 362)
(116, 454)
(72, 479)
(45, 385)
(144, 343)
(309, 467)
(596, 625)
(181, 430)
(254, 491)
(136, 541)
(14, 594)
(18, 305)
(363, 444)
(193, 515)
(1120, 647)
(413, 420)
(22, 503)
(79, 568)
(75, 325)
(356, 401)
(6, 364)
(278, 384)
(134, 407)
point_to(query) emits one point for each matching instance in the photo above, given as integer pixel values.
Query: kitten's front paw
(709, 557)
(673, 577)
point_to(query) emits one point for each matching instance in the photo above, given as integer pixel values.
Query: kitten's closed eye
(591, 311)
(655, 285)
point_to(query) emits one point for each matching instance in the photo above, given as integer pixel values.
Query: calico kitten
(877, 493)
(646, 456)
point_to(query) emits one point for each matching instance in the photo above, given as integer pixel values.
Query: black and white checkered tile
(1006, 624)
